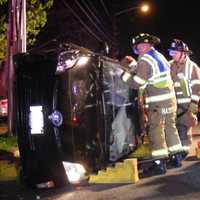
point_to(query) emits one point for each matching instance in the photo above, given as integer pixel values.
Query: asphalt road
(178, 184)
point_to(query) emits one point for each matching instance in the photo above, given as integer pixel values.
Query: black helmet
(179, 45)
(145, 38)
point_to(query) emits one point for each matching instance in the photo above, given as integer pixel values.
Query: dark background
(91, 22)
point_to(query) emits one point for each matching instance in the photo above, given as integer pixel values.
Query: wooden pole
(16, 40)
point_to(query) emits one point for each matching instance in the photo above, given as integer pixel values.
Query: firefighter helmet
(145, 38)
(179, 45)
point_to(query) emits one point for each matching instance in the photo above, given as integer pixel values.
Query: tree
(36, 20)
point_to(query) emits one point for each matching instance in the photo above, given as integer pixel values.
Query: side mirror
(106, 48)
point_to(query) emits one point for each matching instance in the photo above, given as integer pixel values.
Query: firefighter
(186, 76)
(154, 82)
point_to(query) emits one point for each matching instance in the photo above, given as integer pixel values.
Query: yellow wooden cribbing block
(126, 172)
(8, 171)
(143, 151)
(198, 153)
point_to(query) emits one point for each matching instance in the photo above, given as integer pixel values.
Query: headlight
(83, 60)
(75, 172)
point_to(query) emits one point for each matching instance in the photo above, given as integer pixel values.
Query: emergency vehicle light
(36, 120)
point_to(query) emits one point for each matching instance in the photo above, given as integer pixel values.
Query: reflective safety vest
(160, 69)
(185, 83)
(159, 79)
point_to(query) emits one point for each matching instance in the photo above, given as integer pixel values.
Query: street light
(144, 8)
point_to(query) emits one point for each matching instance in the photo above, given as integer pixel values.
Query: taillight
(74, 120)
(4, 102)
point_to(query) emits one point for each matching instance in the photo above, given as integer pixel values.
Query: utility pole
(16, 43)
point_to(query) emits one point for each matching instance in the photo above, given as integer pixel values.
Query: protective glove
(128, 62)
(193, 107)
(191, 119)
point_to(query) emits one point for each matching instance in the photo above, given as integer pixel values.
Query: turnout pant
(163, 134)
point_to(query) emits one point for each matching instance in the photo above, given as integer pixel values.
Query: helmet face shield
(135, 51)
(178, 56)
(173, 52)
(141, 47)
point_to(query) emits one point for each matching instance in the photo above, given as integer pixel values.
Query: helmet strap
(182, 57)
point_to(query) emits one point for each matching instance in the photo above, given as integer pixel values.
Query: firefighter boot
(176, 159)
(184, 154)
(159, 167)
(156, 168)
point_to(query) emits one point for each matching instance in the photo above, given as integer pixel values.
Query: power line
(81, 21)
(85, 4)
(91, 20)
(93, 15)
(105, 8)
(93, 8)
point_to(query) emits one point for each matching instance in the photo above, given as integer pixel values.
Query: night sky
(167, 19)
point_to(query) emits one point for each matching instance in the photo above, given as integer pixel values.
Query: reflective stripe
(151, 63)
(160, 75)
(126, 104)
(147, 60)
(185, 148)
(185, 87)
(116, 91)
(160, 152)
(139, 80)
(106, 91)
(175, 148)
(90, 105)
(119, 105)
(191, 64)
(142, 89)
(159, 98)
(168, 110)
(160, 68)
(195, 82)
(188, 68)
(183, 100)
(155, 64)
(126, 76)
(143, 86)
(195, 97)
(160, 79)
(179, 93)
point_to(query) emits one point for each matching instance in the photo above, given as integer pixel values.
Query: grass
(8, 143)
(9, 163)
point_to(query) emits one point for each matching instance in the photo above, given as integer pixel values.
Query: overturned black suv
(74, 114)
